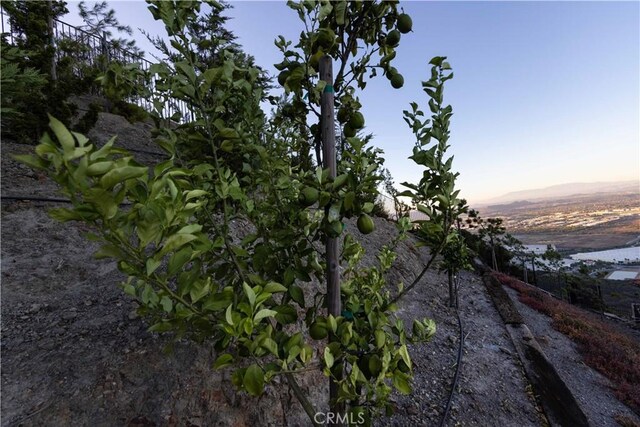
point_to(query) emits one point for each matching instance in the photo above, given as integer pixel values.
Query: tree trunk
(494, 261)
(333, 272)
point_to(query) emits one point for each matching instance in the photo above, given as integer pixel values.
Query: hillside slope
(76, 353)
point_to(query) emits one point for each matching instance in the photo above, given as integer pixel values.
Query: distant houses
(538, 249)
(619, 256)
(623, 275)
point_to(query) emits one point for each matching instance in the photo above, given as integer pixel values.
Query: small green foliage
(219, 242)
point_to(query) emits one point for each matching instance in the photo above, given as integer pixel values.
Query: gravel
(75, 352)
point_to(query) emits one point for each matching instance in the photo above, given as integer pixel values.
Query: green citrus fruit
(397, 81)
(365, 224)
(309, 195)
(404, 23)
(356, 121)
(326, 38)
(349, 131)
(282, 77)
(391, 72)
(393, 38)
(343, 115)
(318, 331)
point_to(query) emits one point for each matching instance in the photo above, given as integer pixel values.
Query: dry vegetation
(610, 352)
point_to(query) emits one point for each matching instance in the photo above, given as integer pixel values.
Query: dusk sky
(544, 93)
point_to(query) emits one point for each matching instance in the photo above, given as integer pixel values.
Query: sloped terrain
(74, 351)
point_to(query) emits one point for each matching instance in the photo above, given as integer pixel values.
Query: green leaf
(166, 303)
(367, 207)
(404, 353)
(99, 168)
(229, 133)
(200, 289)
(265, 312)
(340, 8)
(328, 357)
(64, 215)
(62, 133)
(195, 193)
(286, 314)
(109, 251)
(331, 322)
(250, 294)
(297, 294)
(270, 345)
(163, 326)
(176, 241)
(189, 229)
(401, 383)
(325, 10)
(253, 380)
(228, 315)
(179, 259)
(120, 174)
(152, 264)
(31, 161)
(187, 70)
(273, 288)
(222, 361)
(381, 338)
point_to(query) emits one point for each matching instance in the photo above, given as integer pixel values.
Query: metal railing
(93, 50)
(390, 208)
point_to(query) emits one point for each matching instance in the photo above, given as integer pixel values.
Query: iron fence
(91, 50)
(392, 211)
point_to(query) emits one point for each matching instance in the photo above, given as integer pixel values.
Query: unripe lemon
(343, 115)
(282, 77)
(318, 331)
(356, 121)
(349, 131)
(397, 81)
(326, 38)
(365, 224)
(308, 196)
(404, 23)
(393, 38)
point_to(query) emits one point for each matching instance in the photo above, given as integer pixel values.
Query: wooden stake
(329, 162)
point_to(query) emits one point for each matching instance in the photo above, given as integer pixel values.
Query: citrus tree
(435, 194)
(224, 248)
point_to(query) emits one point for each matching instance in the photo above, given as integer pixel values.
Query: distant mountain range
(565, 190)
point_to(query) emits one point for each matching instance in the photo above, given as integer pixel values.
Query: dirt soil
(74, 351)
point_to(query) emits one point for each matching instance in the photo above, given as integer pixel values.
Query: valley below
(574, 223)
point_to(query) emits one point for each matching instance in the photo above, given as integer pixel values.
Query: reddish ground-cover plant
(608, 351)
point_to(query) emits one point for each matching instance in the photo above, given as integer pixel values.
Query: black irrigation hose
(133, 150)
(36, 199)
(457, 375)
(44, 199)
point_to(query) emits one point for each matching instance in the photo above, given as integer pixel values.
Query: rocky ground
(74, 351)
